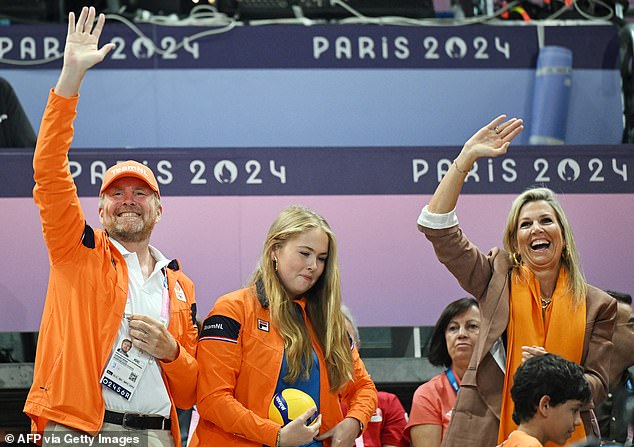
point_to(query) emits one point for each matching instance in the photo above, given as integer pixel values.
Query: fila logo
(263, 325)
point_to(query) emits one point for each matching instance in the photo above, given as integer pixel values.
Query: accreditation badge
(180, 294)
(125, 368)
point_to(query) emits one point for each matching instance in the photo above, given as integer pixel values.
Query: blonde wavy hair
(569, 256)
(323, 303)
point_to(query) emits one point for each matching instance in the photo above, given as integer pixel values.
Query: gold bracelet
(455, 165)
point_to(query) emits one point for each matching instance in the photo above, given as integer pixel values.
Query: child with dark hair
(548, 392)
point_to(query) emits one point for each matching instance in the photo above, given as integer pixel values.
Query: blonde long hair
(569, 256)
(323, 303)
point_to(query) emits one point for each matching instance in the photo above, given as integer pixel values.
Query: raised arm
(55, 193)
(492, 140)
(81, 51)
(438, 221)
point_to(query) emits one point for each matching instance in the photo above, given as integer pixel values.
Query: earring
(517, 259)
(275, 263)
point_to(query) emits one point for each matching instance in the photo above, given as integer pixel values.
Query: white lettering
(138, 169)
(6, 45)
(121, 441)
(70, 439)
(279, 173)
(320, 46)
(622, 171)
(165, 176)
(366, 48)
(51, 47)
(253, 168)
(510, 174)
(442, 167)
(402, 47)
(197, 167)
(503, 47)
(343, 48)
(420, 167)
(541, 165)
(27, 47)
(33, 438)
(75, 169)
(473, 173)
(97, 170)
(385, 48)
(490, 166)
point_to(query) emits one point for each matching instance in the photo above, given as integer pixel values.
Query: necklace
(545, 303)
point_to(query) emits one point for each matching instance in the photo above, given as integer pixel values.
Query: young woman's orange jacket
(238, 377)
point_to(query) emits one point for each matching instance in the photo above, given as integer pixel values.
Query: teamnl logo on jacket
(220, 328)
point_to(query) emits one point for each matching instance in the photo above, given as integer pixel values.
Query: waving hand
(494, 138)
(490, 141)
(82, 50)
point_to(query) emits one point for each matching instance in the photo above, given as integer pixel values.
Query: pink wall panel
(389, 272)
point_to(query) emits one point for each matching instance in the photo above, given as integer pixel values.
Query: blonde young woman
(533, 296)
(285, 330)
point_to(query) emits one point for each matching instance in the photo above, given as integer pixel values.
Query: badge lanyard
(165, 304)
(452, 380)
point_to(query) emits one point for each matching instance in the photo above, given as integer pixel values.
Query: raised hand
(82, 50)
(82, 40)
(494, 138)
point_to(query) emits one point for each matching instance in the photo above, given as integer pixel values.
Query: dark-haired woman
(451, 345)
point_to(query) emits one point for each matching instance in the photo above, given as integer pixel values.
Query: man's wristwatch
(360, 428)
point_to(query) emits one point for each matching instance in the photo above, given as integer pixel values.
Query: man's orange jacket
(86, 297)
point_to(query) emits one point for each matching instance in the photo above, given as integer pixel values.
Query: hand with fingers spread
(492, 140)
(343, 434)
(152, 337)
(82, 50)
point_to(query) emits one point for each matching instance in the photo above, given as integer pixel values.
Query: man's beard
(137, 232)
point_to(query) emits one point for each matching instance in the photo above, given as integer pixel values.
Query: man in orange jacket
(106, 287)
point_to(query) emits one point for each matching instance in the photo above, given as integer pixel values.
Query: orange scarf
(559, 330)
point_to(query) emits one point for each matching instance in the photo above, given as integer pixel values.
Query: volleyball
(290, 404)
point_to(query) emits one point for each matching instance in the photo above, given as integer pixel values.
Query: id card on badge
(124, 369)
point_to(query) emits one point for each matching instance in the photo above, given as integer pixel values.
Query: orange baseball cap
(130, 168)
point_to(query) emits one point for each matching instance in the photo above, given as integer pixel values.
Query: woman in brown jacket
(533, 296)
